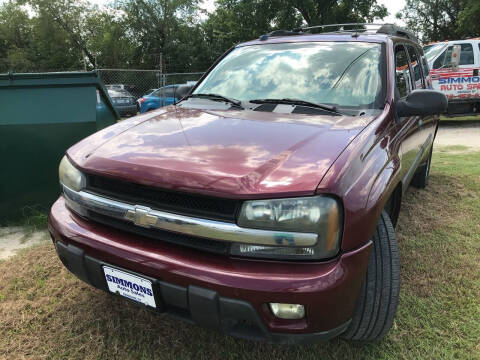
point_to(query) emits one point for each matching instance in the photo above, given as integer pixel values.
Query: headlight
(70, 176)
(317, 214)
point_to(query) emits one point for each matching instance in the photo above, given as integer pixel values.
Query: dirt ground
(459, 135)
(14, 238)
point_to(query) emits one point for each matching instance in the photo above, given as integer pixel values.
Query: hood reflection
(222, 152)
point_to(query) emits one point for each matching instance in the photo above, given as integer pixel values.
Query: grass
(45, 312)
(32, 219)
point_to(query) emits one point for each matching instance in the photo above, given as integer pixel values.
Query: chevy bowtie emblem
(141, 216)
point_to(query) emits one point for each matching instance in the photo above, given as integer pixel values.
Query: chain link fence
(150, 88)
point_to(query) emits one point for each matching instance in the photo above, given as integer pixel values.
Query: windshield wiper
(289, 101)
(216, 97)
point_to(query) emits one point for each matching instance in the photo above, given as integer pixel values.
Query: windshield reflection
(432, 50)
(338, 73)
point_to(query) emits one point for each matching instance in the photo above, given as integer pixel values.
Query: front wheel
(377, 303)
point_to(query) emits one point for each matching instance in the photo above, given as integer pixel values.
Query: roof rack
(352, 28)
(280, 33)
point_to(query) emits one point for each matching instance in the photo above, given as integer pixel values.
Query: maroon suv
(263, 204)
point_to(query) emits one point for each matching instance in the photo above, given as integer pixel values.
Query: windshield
(337, 73)
(432, 50)
(118, 93)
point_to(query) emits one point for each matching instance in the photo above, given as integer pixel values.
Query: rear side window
(402, 72)
(169, 92)
(466, 57)
(165, 92)
(415, 66)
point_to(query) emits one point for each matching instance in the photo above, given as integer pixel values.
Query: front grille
(160, 199)
(203, 244)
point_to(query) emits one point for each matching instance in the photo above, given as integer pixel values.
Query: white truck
(454, 70)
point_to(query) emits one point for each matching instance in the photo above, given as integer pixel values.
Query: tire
(377, 303)
(420, 179)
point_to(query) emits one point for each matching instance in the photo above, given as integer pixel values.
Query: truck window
(426, 69)
(402, 72)
(432, 51)
(439, 61)
(466, 56)
(416, 66)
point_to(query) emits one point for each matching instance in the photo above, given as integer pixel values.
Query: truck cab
(459, 82)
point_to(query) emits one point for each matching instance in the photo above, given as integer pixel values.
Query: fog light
(288, 311)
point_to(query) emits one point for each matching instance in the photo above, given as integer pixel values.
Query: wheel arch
(393, 204)
(386, 192)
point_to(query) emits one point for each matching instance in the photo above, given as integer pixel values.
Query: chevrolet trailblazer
(263, 203)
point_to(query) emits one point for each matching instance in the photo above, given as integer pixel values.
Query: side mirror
(455, 59)
(182, 91)
(422, 102)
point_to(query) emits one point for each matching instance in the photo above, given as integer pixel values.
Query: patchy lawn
(45, 312)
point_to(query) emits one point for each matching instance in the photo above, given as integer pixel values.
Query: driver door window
(402, 72)
(416, 67)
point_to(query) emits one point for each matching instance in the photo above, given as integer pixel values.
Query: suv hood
(225, 153)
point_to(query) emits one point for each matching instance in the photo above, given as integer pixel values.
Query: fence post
(164, 82)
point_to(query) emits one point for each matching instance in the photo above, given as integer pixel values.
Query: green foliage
(176, 35)
(468, 20)
(168, 27)
(235, 21)
(15, 37)
(437, 20)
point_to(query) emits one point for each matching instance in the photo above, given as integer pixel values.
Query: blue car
(160, 97)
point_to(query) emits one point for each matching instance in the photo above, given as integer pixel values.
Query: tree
(15, 38)
(468, 20)
(55, 35)
(436, 20)
(71, 16)
(320, 12)
(240, 20)
(160, 31)
(235, 21)
(108, 39)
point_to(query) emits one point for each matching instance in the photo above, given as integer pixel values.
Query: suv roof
(376, 32)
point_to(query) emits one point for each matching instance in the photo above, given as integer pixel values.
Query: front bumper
(228, 294)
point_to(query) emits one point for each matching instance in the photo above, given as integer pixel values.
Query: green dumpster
(42, 115)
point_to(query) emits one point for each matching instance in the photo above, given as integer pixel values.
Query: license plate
(130, 286)
(122, 101)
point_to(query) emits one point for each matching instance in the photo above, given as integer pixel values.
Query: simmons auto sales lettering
(459, 80)
(128, 284)
(459, 83)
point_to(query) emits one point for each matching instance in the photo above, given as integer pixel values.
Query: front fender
(363, 177)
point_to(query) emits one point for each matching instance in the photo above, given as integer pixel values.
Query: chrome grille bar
(210, 229)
